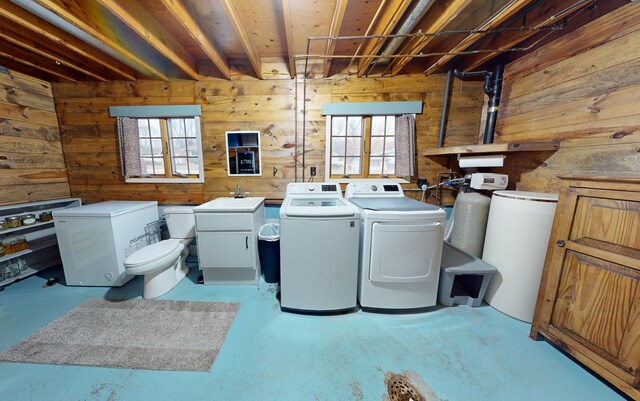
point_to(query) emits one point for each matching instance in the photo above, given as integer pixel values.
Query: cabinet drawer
(226, 249)
(224, 221)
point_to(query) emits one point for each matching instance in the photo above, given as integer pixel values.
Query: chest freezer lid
(104, 209)
(395, 204)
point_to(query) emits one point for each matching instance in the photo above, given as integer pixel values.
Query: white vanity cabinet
(227, 237)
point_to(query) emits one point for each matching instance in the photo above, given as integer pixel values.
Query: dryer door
(403, 253)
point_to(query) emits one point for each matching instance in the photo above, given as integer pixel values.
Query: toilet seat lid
(153, 252)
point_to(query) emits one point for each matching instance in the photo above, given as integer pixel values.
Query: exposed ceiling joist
(538, 17)
(15, 67)
(88, 17)
(440, 15)
(503, 15)
(334, 30)
(26, 20)
(25, 57)
(59, 55)
(286, 11)
(387, 17)
(180, 11)
(235, 15)
(136, 17)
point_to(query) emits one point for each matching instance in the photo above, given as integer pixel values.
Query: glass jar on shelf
(14, 243)
(28, 219)
(45, 216)
(13, 222)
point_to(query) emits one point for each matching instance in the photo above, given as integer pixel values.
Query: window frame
(366, 152)
(168, 157)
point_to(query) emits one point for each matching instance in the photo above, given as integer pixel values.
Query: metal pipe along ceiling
(51, 17)
(412, 20)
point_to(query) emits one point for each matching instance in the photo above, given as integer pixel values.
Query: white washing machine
(319, 235)
(400, 248)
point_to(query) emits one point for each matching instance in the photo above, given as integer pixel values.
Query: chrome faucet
(238, 193)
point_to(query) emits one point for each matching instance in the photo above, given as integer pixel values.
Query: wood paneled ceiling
(100, 40)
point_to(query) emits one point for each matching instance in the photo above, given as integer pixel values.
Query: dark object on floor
(201, 279)
(134, 334)
(51, 282)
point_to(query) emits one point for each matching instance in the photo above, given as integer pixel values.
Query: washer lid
(396, 204)
(153, 252)
(318, 207)
(529, 196)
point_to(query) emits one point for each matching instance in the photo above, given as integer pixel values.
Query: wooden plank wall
(244, 103)
(31, 162)
(583, 90)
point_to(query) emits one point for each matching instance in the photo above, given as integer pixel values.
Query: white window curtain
(129, 147)
(405, 145)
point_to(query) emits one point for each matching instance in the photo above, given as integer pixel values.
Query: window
(168, 147)
(370, 140)
(362, 146)
(160, 144)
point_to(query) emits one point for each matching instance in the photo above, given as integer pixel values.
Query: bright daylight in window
(169, 148)
(362, 146)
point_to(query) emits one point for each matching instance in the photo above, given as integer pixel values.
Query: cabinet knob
(560, 243)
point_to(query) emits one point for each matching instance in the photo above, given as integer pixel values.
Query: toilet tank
(181, 221)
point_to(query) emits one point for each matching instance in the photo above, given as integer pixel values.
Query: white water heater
(518, 230)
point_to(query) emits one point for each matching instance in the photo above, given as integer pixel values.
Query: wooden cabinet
(589, 298)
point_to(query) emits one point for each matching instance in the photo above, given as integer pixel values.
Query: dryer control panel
(377, 189)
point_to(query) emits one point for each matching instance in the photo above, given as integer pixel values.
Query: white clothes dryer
(400, 248)
(318, 250)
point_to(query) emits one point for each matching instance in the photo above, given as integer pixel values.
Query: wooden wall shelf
(494, 148)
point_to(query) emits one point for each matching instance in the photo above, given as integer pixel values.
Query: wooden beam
(504, 14)
(181, 13)
(387, 17)
(336, 24)
(136, 17)
(236, 17)
(288, 28)
(88, 17)
(15, 67)
(438, 17)
(45, 48)
(537, 18)
(25, 57)
(27, 20)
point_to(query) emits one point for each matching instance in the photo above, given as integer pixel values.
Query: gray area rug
(137, 334)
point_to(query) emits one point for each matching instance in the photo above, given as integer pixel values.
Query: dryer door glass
(404, 253)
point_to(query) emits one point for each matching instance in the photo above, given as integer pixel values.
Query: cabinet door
(218, 249)
(594, 305)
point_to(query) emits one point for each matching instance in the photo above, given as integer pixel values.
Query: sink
(230, 205)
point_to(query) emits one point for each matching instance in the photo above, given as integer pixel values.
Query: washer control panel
(325, 188)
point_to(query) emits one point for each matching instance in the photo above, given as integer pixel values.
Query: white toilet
(163, 263)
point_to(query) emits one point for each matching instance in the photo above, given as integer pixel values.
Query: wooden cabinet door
(594, 305)
(591, 296)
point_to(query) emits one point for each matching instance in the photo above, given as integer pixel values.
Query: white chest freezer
(96, 239)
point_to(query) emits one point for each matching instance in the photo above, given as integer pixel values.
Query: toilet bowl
(163, 263)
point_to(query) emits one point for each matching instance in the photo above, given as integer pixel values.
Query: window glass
(169, 148)
(362, 146)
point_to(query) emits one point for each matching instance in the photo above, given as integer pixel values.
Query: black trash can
(269, 252)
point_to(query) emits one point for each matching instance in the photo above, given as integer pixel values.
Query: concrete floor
(462, 353)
